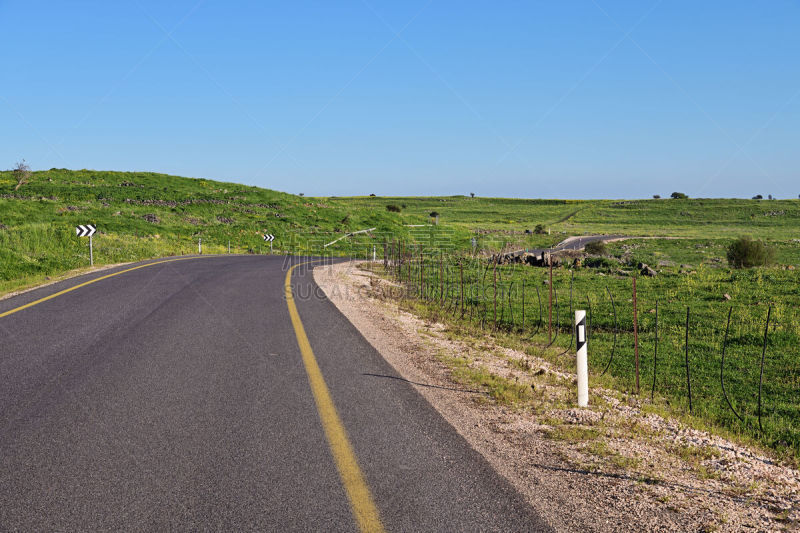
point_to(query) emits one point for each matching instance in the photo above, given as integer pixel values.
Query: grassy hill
(141, 215)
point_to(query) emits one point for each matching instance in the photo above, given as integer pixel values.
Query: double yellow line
(361, 502)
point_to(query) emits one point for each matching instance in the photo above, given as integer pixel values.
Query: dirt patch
(613, 467)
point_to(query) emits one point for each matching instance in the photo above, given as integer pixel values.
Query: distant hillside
(142, 214)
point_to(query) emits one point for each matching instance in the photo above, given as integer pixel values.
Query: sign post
(269, 238)
(87, 230)
(582, 359)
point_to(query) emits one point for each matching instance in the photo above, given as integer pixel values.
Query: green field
(143, 215)
(517, 305)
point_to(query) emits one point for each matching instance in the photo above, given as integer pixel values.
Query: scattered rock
(665, 263)
(726, 296)
(649, 272)
(224, 220)
(790, 267)
(150, 217)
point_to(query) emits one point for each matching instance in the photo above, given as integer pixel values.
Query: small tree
(435, 216)
(758, 197)
(678, 196)
(596, 248)
(472, 195)
(656, 196)
(770, 197)
(744, 252)
(539, 229)
(302, 194)
(22, 173)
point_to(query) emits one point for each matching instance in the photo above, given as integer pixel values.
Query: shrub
(656, 196)
(393, 208)
(600, 262)
(539, 229)
(758, 197)
(596, 248)
(678, 196)
(745, 252)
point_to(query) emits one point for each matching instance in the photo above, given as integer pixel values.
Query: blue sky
(573, 99)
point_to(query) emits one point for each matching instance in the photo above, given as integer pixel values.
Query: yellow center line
(65, 291)
(361, 502)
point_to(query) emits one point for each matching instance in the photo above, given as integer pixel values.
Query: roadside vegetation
(513, 301)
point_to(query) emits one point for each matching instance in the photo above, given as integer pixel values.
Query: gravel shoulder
(616, 466)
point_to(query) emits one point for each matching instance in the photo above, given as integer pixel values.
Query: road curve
(176, 396)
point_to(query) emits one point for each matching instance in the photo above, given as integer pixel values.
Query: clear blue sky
(573, 99)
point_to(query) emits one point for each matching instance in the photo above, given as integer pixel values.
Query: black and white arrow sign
(269, 237)
(85, 230)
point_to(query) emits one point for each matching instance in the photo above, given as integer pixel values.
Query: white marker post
(582, 359)
(374, 254)
(91, 252)
(200, 246)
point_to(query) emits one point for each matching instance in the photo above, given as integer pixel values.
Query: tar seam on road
(361, 502)
(59, 293)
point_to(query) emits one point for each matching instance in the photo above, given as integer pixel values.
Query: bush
(539, 229)
(601, 262)
(744, 252)
(393, 208)
(678, 196)
(656, 196)
(758, 197)
(596, 248)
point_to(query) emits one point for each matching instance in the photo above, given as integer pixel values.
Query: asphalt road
(579, 243)
(176, 397)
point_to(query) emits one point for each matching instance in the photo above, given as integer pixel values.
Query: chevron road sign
(85, 230)
(269, 237)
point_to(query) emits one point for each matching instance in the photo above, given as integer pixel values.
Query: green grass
(752, 292)
(140, 215)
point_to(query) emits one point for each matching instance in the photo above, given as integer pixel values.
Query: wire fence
(734, 365)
